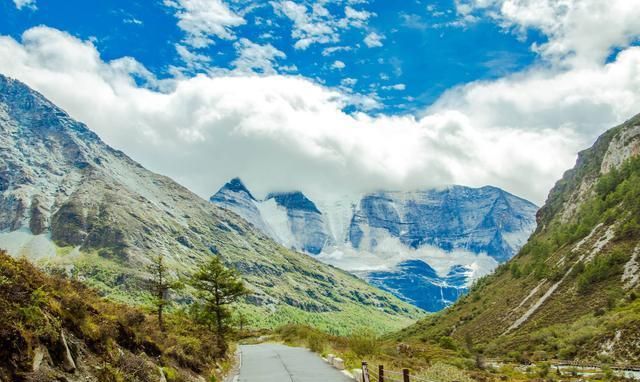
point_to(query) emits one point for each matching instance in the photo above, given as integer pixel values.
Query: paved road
(280, 363)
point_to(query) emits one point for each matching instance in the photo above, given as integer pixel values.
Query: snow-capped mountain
(426, 247)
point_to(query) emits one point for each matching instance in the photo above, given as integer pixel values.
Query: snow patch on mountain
(276, 218)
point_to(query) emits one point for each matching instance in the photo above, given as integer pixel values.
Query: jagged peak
(294, 200)
(234, 185)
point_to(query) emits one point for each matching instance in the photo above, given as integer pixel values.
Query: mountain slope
(373, 236)
(70, 201)
(572, 290)
(56, 329)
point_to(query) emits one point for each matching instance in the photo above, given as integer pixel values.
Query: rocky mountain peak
(294, 200)
(236, 185)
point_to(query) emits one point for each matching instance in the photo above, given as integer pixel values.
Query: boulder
(338, 363)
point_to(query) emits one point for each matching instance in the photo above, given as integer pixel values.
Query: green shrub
(447, 343)
(363, 342)
(316, 342)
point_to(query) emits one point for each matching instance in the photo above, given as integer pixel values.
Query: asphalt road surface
(280, 363)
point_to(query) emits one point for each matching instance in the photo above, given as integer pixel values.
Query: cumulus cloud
(27, 4)
(288, 132)
(373, 40)
(203, 19)
(580, 32)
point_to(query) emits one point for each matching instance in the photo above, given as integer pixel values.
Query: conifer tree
(217, 287)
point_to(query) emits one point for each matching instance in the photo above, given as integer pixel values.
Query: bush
(363, 342)
(447, 343)
(316, 342)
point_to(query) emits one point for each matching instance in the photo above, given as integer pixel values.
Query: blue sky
(424, 49)
(336, 97)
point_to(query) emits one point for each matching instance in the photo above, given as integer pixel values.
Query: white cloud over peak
(373, 40)
(203, 19)
(288, 132)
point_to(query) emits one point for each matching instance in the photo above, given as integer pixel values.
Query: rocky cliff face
(478, 220)
(418, 283)
(306, 223)
(396, 226)
(571, 292)
(69, 200)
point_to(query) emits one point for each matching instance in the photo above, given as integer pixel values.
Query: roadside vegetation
(52, 326)
(442, 360)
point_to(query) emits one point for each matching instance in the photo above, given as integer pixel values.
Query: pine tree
(217, 287)
(160, 284)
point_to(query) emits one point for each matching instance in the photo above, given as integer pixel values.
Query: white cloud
(133, 20)
(315, 24)
(287, 132)
(399, 87)
(580, 32)
(192, 60)
(373, 40)
(337, 64)
(333, 49)
(348, 82)
(28, 4)
(256, 58)
(203, 19)
(356, 17)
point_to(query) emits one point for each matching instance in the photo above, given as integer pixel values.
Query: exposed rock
(68, 364)
(40, 355)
